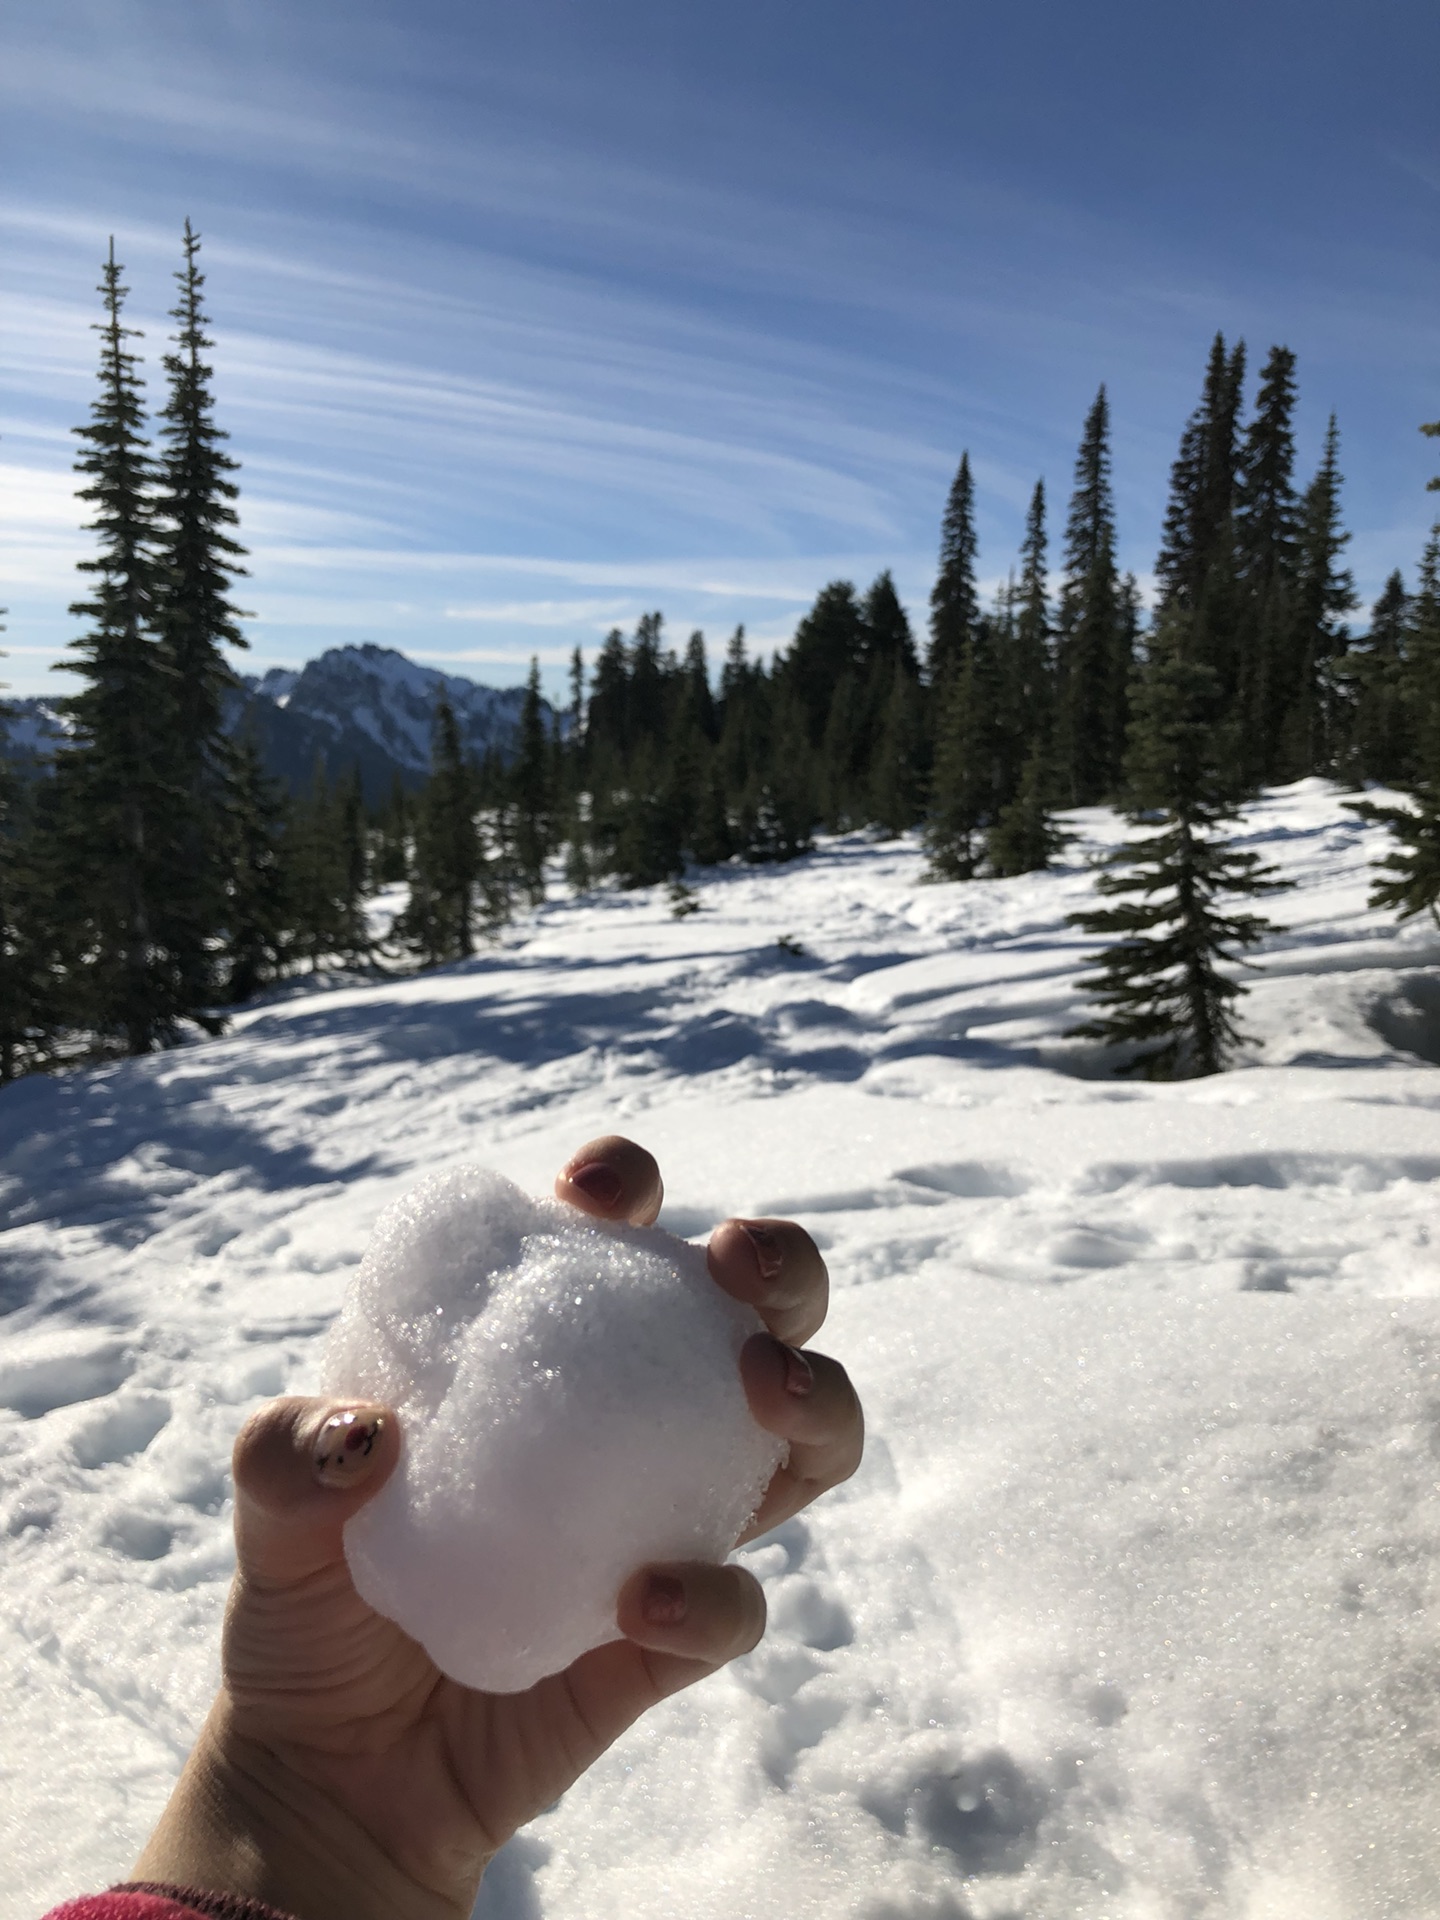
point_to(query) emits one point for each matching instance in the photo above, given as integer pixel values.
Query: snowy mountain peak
(391, 701)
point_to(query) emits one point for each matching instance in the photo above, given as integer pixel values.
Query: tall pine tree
(197, 558)
(533, 788)
(955, 599)
(1267, 546)
(1093, 633)
(116, 799)
(1315, 722)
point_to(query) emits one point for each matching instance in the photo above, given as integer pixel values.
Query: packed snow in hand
(571, 1407)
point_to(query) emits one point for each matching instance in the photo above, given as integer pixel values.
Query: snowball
(571, 1408)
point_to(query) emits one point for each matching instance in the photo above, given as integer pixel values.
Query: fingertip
(694, 1610)
(613, 1179)
(313, 1459)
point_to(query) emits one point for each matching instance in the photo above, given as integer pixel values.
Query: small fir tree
(1026, 836)
(1160, 982)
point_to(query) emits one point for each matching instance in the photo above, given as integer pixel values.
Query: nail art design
(344, 1449)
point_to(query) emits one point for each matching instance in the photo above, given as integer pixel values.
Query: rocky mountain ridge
(364, 706)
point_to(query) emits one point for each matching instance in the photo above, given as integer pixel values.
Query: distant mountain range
(367, 707)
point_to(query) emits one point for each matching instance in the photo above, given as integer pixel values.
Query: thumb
(302, 1469)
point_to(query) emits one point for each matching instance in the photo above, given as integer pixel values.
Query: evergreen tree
(28, 963)
(1202, 484)
(1315, 723)
(1381, 746)
(314, 886)
(897, 781)
(1422, 664)
(352, 872)
(955, 599)
(698, 696)
(1160, 983)
(532, 787)
(453, 886)
(1094, 635)
(1026, 836)
(1267, 537)
(391, 861)
(257, 907)
(963, 798)
(886, 639)
(829, 643)
(1408, 875)
(117, 851)
(197, 558)
(1199, 566)
(1029, 692)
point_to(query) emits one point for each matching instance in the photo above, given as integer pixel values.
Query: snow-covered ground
(1132, 1610)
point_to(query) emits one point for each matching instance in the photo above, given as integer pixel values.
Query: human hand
(340, 1773)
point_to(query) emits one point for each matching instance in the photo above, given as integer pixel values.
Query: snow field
(1131, 1611)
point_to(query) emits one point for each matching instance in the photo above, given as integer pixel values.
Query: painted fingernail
(768, 1256)
(663, 1602)
(799, 1374)
(346, 1447)
(600, 1183)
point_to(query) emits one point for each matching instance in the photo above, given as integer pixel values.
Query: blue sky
(531, 317)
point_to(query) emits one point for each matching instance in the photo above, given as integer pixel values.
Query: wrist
(243, 1821)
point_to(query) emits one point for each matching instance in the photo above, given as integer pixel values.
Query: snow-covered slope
(1131, 1611)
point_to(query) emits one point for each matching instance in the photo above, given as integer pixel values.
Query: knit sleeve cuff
(222, 1906)
(146, 1900)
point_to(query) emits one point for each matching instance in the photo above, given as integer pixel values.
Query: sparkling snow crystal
(571, 1409)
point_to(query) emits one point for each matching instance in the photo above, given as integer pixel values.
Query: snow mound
(571, 1408)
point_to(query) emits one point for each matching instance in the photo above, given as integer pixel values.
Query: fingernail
(600, 1182)
(767, 1249)
(799, 1374)
(663, 1602)
(346, 1447)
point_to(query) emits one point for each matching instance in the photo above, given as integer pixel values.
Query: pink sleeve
(122, 1906)
(145, 1902)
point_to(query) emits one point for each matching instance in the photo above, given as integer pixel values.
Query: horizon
(527, 325)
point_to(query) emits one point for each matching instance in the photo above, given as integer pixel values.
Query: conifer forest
(155, 874)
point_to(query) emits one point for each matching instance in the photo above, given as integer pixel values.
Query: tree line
(161, 875)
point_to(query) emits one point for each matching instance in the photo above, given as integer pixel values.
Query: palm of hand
(432, 1771)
